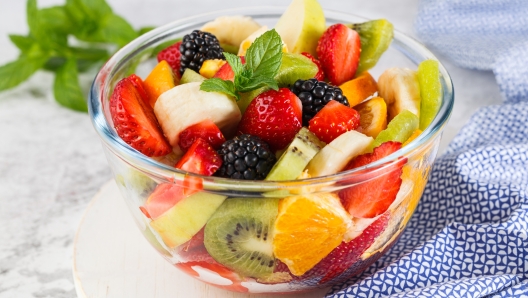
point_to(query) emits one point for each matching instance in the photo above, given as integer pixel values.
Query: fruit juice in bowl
(287, 157)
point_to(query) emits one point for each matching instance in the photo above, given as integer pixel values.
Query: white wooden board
(111, 259)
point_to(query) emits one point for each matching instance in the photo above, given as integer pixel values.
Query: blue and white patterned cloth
(469, 234)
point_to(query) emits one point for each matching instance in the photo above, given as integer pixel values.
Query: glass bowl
(138, 176)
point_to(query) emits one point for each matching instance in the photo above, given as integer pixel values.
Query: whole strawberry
(338, 50)
(172, 55)
(274, 116)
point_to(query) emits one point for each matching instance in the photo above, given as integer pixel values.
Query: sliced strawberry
(194, 247)
(139, 84)
(320, 74)
(347, 253)
(194, 268)
(206, 130)
(372, 198)
(226, 72)
(135, 122)
(274, 116)
(333, 120)
(162, 199)
(201, 158)
(172, 55)
(338, 50)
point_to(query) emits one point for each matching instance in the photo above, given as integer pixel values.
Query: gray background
(51, 162)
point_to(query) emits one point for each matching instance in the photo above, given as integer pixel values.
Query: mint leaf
(67, 89)
(259, 82)
(23, 43)
(56, 18)
(42, 31)
(264, 56)
(219, 85)
(16, 72)
(114, 29)
(235, 63)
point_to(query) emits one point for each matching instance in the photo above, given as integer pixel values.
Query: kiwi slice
(399, 129)
(430, 91)
(190, 76)
(293, 161)
(294, 67)
(376, 36)
(239, 235)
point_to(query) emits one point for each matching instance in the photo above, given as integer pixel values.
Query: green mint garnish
(263, 60)
(48, 45)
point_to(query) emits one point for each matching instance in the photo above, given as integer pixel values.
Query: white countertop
(52, 164)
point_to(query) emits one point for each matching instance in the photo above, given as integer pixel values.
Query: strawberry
(274, 116)
(172, 55)
(211, 267)
(372, 198)
(338, 50)
(164, 196)
(226, 72)
(201, 158)
(333, 120)
(206, 130)
(320, 74)
(135, 122)
(139, 84)
(347, 253)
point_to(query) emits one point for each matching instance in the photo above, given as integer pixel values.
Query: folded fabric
(469, 234)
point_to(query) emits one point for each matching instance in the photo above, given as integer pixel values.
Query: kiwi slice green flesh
(239, 235)
(190, 76)
(376, 36)
(296, 156)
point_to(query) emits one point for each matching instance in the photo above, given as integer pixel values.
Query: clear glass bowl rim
(101, 87)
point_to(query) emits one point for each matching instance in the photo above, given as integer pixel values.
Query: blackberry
(198, 47)
(314, 95)
(245, 157)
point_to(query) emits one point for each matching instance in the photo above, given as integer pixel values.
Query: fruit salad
(244, 102)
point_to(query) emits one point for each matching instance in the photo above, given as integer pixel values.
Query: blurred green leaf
(67, 89)
(16, 72)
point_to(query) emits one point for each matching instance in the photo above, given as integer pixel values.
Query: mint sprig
(66, 39)
(263, 60)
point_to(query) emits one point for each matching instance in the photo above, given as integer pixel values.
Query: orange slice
(160, 79)
(210, 67)
(373, 116)
(359, 88)
(307, 229)
(414, 135)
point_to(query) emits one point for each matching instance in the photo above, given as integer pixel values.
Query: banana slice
(231, 29)
(336, 155)
(244, 45)
(400, 89)
(185, 105)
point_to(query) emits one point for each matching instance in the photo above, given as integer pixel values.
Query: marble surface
(52, 164)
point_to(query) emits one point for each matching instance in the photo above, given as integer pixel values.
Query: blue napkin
(469, 234)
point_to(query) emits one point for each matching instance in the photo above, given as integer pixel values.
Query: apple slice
(301, 26)
(186, 218)
(336, 155)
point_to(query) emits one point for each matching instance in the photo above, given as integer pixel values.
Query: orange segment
(359, 88)
(160, 79)
(414, 135)
(373, 116)
(307, 229)
(210, 67)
